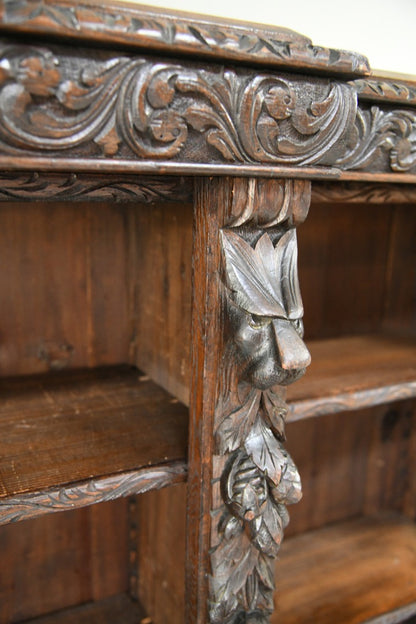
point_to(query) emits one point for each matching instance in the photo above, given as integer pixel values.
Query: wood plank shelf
(353, 372)
(72, 439)
(114, 610)
(355, 572)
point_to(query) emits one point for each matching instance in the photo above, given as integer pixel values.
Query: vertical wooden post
(247, 345)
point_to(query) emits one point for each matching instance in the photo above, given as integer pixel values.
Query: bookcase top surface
(143, 27)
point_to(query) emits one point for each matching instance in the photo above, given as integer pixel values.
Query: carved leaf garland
(259, 477)
(264, 449)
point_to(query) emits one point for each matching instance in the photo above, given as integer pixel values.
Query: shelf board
(72, 439)
(354, 372)
(115, 610)
(363, 570)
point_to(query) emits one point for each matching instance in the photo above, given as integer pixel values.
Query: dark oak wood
(354, 463)
(82, 425)
(61, 560)
(105, 102)
(162, 253)
(385, 89)
(120, 609)
(356, 192)
(352, 372)
(161, 537)
(79, 187)
(182, 113)
(348, 573)
(246, 416)
(175, 32)
(66, 288)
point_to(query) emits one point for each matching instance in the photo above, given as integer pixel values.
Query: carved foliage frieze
(58, 102)
(264, 353)
(81, 187)
(382, 140)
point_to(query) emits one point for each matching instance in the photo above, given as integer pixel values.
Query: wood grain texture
(64, 299)
(161, 537)
(343, 266)
(369, 370)
(399, 310)
(176, 32)
(82, 425)
(212, 201)
(354, 463)
(59, 561)
(347, 573)
(161, 252)
(120, 609)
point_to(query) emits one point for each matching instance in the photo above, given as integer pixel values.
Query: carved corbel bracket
(254, 477)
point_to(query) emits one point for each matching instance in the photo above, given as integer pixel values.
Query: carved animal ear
(264, 280)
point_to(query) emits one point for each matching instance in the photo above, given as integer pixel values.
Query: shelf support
(247, 336)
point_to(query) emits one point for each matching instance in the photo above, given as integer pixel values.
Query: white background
(382, 30)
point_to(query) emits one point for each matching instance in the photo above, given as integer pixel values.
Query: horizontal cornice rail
(65, 109)
(175, 32)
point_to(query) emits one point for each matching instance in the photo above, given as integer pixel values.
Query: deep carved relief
(61, 103)
(58, 103)
(254, 475)
(382, 140)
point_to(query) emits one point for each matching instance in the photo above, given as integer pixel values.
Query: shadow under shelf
(76, 438)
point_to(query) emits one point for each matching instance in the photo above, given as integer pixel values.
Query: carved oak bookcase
(157, 171)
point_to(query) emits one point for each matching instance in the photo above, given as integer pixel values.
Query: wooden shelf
(363, 570)
(354, 372)
(115, 610)
(73, 439)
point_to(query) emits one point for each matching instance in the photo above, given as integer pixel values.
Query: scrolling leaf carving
(265, 352)
(79, 187)
(386, 138)
(77, 104)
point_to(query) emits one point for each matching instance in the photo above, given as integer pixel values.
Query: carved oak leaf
(264, 280)
(234, 561)
(275, 411)
(265, 451)
(235, 426)
(267, 530)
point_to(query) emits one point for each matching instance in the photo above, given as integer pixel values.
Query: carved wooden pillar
(247, 326)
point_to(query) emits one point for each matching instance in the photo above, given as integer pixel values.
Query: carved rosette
(254, 476)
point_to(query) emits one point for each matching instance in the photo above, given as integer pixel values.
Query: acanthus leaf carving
(64, 103)
(386, 138)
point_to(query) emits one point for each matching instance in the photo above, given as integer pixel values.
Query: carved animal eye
(257, 322)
